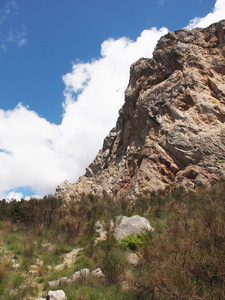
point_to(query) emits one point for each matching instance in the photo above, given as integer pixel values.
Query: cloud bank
(37, 154)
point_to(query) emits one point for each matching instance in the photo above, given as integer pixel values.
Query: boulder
(134, 224)
(125, 226)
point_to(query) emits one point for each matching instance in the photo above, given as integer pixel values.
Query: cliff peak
(171, 128)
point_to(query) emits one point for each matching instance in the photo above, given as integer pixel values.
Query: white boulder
(56, 295)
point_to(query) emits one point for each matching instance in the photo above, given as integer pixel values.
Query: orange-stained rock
(171, 127)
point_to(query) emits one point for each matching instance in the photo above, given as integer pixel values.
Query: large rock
(171, 128)
(125, 226)
(134, 224)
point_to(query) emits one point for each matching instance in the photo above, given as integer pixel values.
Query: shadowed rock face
(171, 128)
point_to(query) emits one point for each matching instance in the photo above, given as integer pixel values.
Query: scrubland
(183, 258)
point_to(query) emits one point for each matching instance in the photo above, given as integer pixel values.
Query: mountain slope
(171, 128)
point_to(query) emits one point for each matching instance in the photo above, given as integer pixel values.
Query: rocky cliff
(171, 128)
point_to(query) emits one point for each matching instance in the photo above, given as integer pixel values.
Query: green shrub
(133, 241)
(110, 257)
(187, 260)
(95, 289)
(182, 259)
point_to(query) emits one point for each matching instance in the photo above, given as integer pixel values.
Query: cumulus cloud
(27, 157)
(216, 15)
(37, 154)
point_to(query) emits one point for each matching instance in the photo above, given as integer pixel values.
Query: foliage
(94, 289)
(133, 241)
(187, 260)
(110, 257)
(32, 213)
(182, 259)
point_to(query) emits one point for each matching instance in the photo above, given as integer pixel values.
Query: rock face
(171, 128)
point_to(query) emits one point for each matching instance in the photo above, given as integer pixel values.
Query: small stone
(56, 295)
(84, 272)
(75, 276)
(54, 283)
(46, 245)
(64, 279)
(132, 258)
(99, 227)
(33, 272)
(98, 272)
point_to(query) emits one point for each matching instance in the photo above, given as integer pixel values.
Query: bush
(3, 271)
(113, 264)
(182, 259)
(187, 260)
(133, 241)
(110, 257)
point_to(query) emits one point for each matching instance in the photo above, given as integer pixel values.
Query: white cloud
(95, 93)
(14, 196)
(9, 8)
(17, 37)
(37, 154)
(28, 158)
(9, 35)
(161, 2)
(216, 15)
(18, 196)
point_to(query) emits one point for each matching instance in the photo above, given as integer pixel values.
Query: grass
(25, 247)
(182, 259)
(94, 290)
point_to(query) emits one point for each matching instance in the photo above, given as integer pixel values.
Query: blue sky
(64, 66)
(57, 33)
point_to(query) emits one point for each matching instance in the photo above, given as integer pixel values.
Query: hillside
(50, 245)
(163, 163)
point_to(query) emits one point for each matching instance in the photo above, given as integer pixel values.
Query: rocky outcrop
(64, 190)
(171, 128)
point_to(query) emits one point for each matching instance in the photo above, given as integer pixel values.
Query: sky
(64, 67)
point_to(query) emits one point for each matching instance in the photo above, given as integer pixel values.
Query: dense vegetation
(184, 258)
